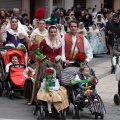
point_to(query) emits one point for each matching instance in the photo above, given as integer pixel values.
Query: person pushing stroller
(116, 54)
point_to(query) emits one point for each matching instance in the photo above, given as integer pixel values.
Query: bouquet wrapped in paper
(34, 48)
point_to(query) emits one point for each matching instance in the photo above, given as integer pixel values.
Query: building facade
(30, 6)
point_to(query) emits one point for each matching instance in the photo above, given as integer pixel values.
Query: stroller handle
(20, 65)
(6, 48)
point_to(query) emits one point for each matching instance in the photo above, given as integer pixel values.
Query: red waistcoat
(68, 44)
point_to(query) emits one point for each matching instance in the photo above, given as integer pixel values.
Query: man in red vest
(74, 43)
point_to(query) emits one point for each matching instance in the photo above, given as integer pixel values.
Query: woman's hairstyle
(14, 18)
(74, 21)
(52, 27)
(6, 13)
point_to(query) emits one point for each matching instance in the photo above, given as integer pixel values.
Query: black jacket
(115, 29)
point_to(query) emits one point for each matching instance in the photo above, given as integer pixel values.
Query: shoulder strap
(74, 48)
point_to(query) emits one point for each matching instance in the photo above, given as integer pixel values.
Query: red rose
(48, 71)
(33, 47)
(80, 57)
(31, 56)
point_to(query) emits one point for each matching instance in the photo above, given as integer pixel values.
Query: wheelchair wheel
(1, 89)
(116, 99)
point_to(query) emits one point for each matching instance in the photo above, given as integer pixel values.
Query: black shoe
(112, 69)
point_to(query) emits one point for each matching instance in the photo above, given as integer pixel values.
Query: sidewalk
(107, 88)
(107, 85)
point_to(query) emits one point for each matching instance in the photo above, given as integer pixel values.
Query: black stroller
(40, 108)
(2, 67)
(14, 80)
(77, 98)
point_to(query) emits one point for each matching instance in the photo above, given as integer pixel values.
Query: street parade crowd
(47, 61)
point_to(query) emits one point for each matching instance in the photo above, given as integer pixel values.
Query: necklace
(53, 42)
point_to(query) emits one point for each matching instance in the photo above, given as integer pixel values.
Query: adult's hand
(67, 61)
(23, 35)
(57, 58)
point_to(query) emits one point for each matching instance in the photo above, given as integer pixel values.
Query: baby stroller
(77, 98)
(116, 54)
(2, 67)
(15, 80)
(40, 108)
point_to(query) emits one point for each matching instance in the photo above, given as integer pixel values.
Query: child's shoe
(95, 100)
(86, 100)
(28, 102)
(50, 112)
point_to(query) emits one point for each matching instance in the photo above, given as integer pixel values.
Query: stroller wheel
(79, 114)
(11, 97)
(38, 115)
(43, 115)
(1, 89)
(64, 115)
(60, 115)
(96, 116)
(11, 94)
(74, 114)
(102, 116)
(116, 99)
(34, 110)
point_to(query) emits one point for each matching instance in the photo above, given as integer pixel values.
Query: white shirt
(87, 48)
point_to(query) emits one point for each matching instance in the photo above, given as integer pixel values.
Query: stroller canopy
(8, 55)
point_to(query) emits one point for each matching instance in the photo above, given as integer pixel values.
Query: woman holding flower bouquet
(51, 47)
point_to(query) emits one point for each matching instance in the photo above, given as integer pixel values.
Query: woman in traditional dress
(101, 26)
(39, 33)
(95, 41)
(15, 33)
(51, 46)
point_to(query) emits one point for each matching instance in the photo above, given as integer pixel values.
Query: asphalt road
(17, 109)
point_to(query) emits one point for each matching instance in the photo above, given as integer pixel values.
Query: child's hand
(50, 88)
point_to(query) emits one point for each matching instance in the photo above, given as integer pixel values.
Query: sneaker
(29, 103)
(50, 112)
(86, 100)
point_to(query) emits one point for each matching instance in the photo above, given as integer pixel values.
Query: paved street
(106, 88)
